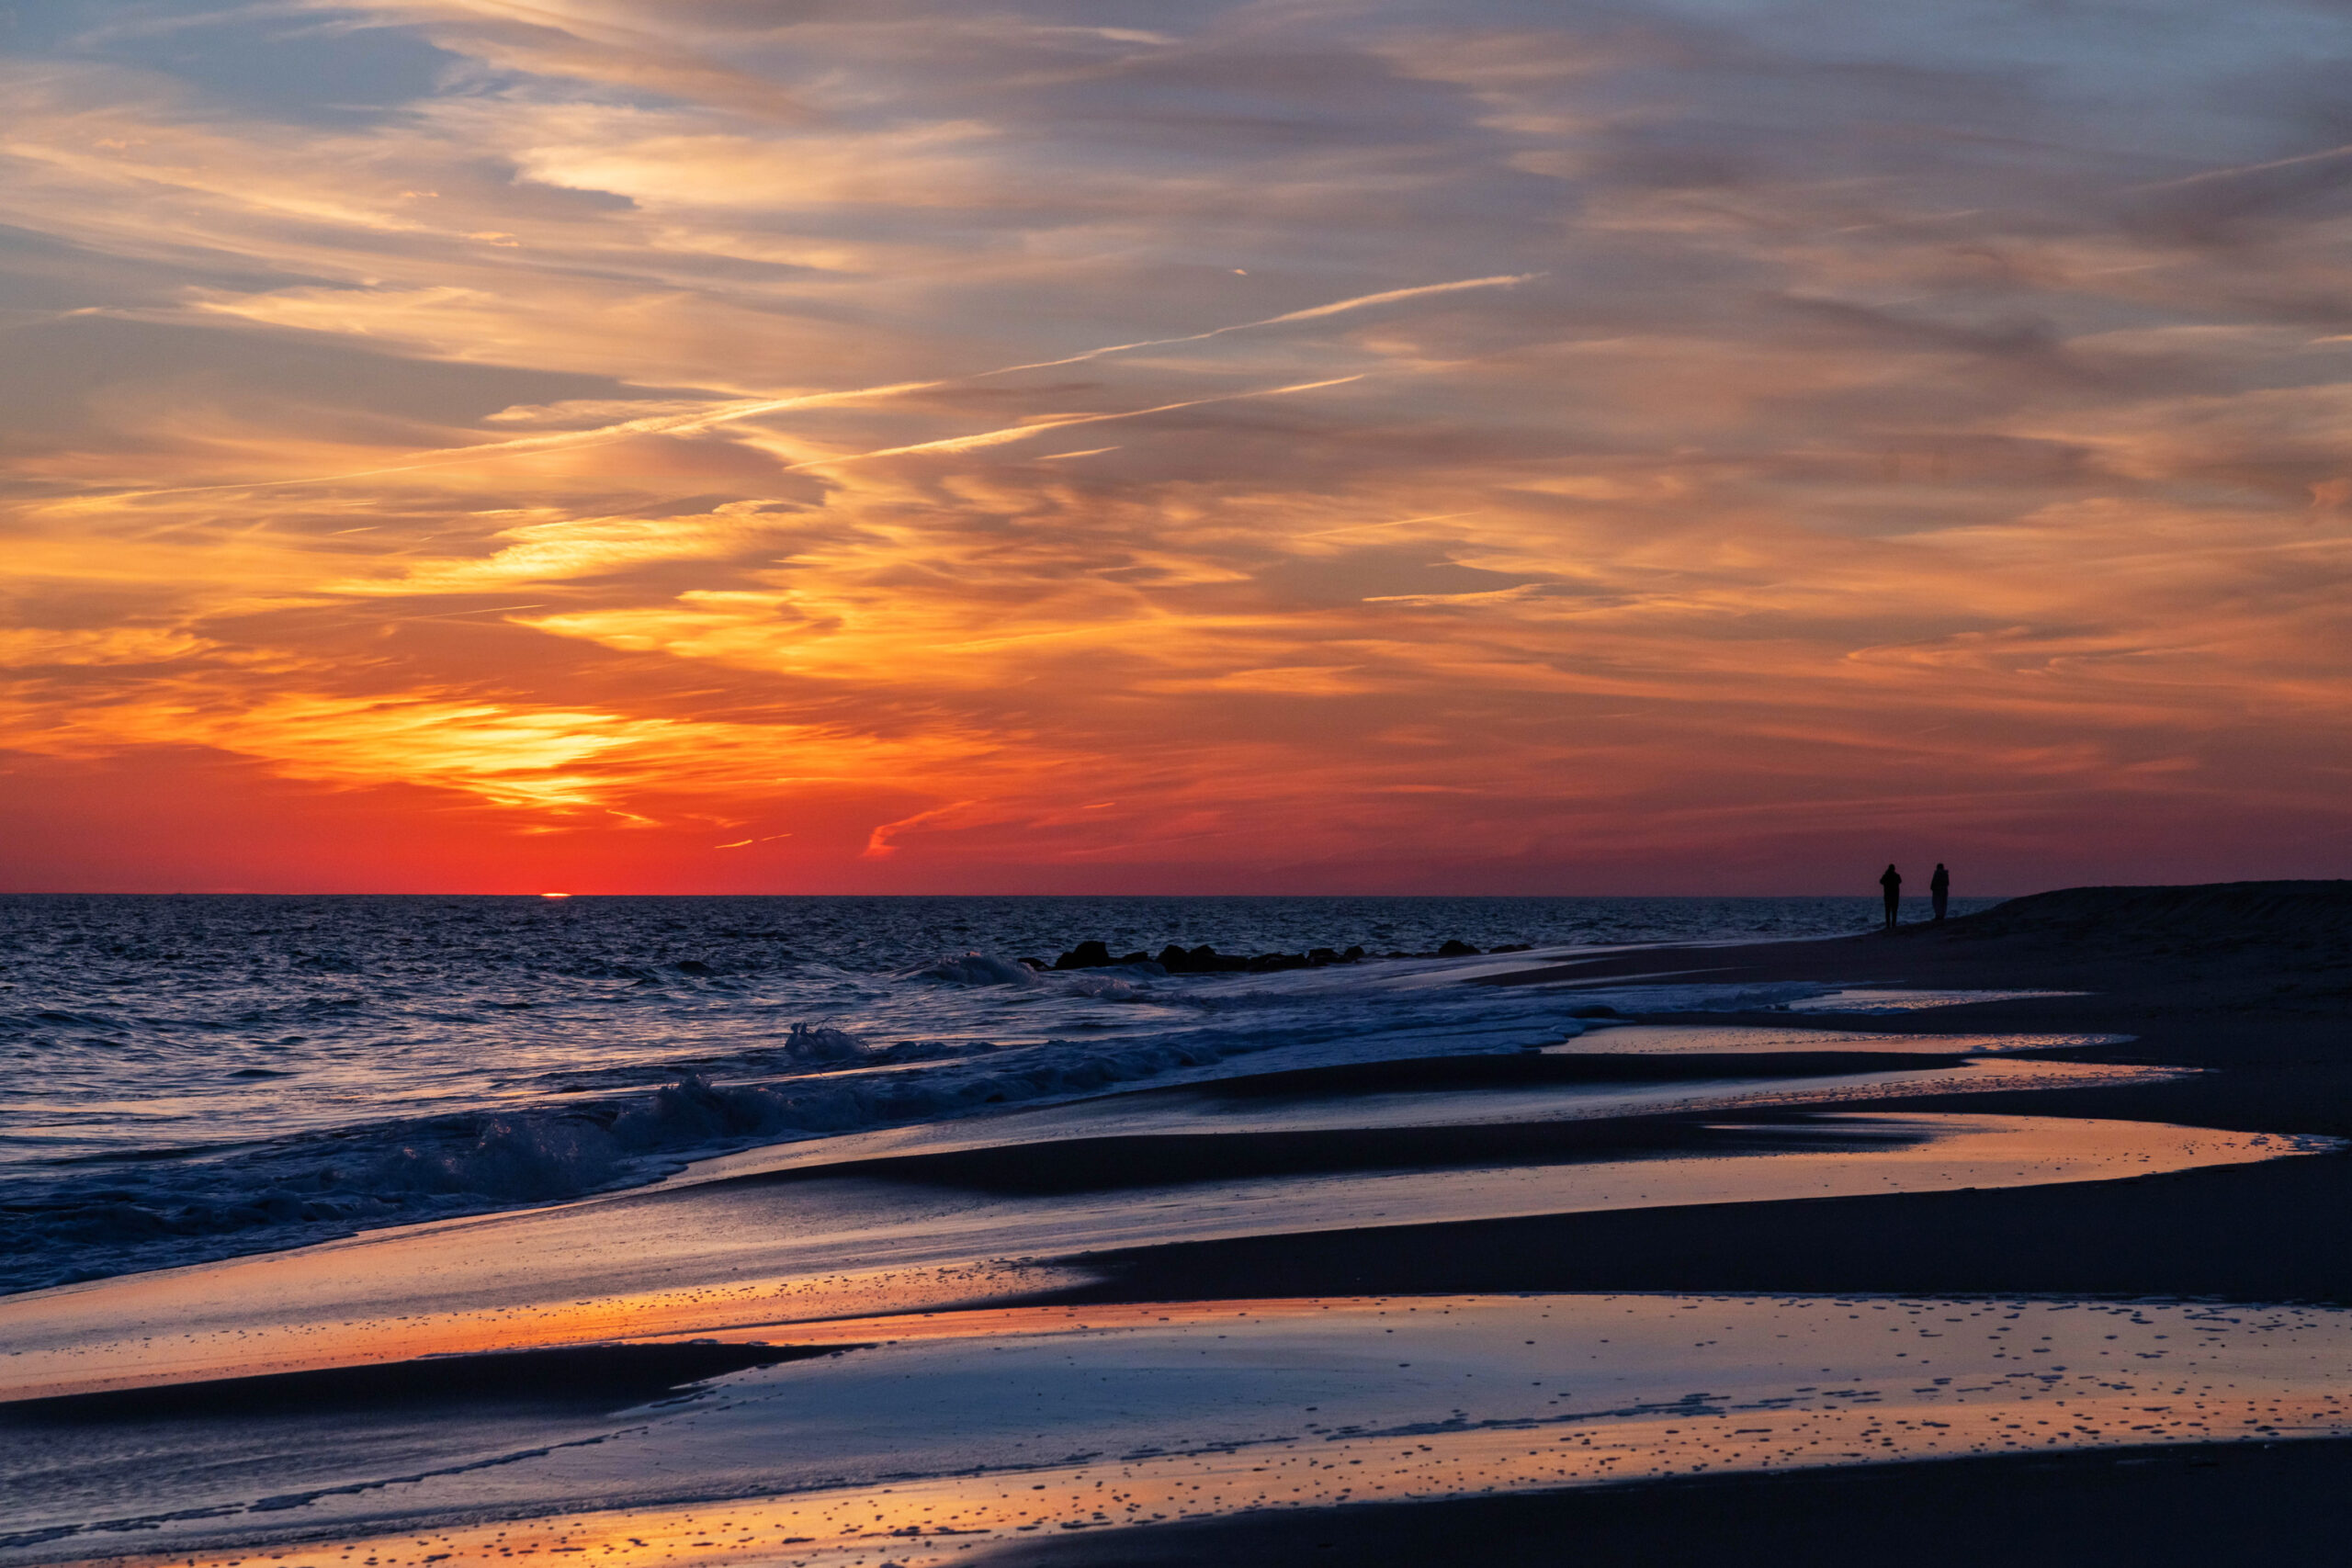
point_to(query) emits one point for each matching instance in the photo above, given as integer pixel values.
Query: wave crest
(978, 969)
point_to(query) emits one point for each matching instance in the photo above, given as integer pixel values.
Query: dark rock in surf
(1457, 948)
(1201, 959)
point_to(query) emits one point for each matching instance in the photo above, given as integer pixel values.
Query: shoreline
(2249, 1027)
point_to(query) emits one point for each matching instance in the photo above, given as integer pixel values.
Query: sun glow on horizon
(1608, 470)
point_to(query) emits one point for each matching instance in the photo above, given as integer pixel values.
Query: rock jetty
(1206, 960)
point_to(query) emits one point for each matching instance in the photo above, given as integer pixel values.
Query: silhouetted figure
(1940, 888)
(1893, 883)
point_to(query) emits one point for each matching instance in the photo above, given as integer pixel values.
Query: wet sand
(2216, 1504)
(920, 1448)
(2199, 1032)
(2250, 984)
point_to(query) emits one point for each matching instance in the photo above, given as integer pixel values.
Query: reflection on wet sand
(889, 1389)
(1887, 998)
(727, 1257)
(1670, 1073)
(921, 1450)
(1711, 1039)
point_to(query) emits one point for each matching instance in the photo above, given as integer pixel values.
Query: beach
(2014, 1237)
(793, 784)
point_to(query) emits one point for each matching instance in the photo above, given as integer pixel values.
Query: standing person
(1893, 883)
(1940, 888)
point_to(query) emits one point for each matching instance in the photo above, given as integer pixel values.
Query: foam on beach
(289, 1163)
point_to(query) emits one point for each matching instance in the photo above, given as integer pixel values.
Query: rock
(1456, 948)
(1597, 1010)
(691, 967)
(1201, 959)
(1514, 947)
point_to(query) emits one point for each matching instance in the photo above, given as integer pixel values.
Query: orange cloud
(1546, 456)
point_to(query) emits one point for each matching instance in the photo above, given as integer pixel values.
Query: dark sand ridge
(2250, 981)
(2199, 1507)
(924, 1231)
(596, 1377)
(1108, 1164)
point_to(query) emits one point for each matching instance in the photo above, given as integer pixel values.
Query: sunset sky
(1489, 446)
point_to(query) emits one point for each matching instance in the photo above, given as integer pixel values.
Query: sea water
(193, 1078)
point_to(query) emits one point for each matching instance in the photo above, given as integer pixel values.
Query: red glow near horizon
(944, 486)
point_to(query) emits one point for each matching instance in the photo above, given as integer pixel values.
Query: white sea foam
(199, 1077)
(978, 969)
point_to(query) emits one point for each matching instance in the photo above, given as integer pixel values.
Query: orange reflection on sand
(821, 1309)
(920, 1523)
(734, 1258)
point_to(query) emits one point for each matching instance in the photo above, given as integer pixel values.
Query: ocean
(198, 1077)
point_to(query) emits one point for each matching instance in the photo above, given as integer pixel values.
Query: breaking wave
(206, 1077)
(979, 969)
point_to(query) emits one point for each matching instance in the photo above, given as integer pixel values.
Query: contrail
(1393, 523)
(753, 408)
(1016, 432)
(2247, 169)
(1360, 301)
(651, 424)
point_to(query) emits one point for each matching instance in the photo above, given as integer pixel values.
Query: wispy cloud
(1551, 451)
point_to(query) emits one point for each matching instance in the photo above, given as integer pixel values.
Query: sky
(1707, 446)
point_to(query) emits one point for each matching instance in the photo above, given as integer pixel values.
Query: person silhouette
(1940, 888)
(1893, 883)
